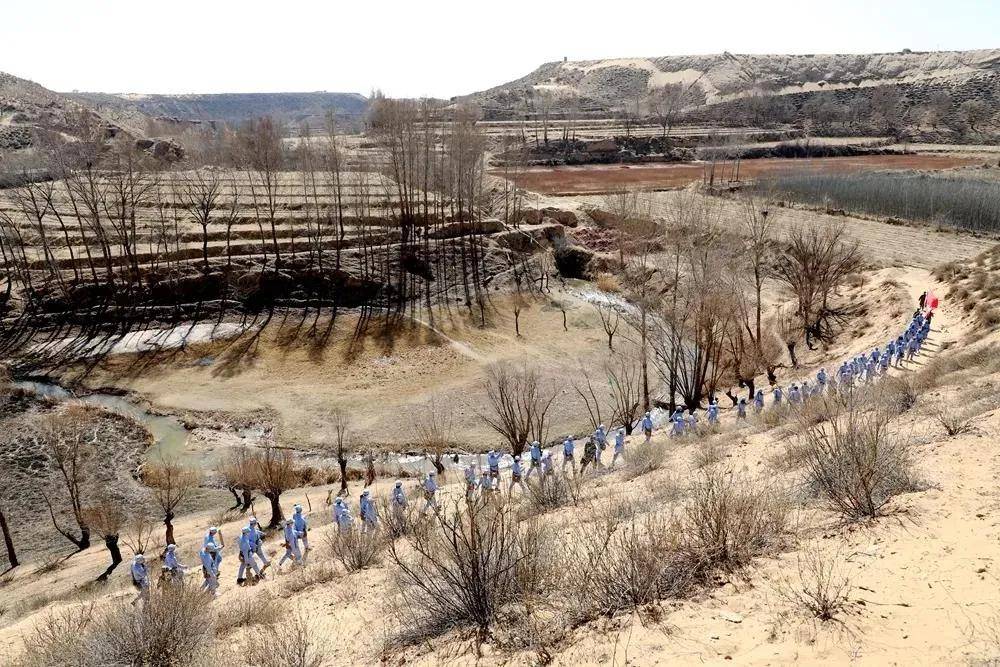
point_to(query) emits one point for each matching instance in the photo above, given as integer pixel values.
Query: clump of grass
(248, 610)
(552, 492)
(307, 577)
(955, 422)
(822, 588)
(356, 549)
(608, 282)
(729, 519)
(644, 459)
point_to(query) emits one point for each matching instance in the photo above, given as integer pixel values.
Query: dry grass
(608, 282)
(288, 644)
(822, 588)
(174, 628)
(550, 493)
(729, 518)
(708, 453)
(355, 549)
(316, 573)
(645, 459)
(955, 422)
(615, 568)
(248, 610)
(854, 462)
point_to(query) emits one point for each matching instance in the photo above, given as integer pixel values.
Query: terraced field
(305, 217)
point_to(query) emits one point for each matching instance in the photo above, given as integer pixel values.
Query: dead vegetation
(471, 566)
(821, 588)
(854, 461)
(356, 549)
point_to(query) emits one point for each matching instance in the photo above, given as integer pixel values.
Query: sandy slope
(924, 580)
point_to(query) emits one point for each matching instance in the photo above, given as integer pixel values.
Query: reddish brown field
(595, 179)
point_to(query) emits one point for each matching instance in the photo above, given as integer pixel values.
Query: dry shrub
(608, 282)
(988, 314)
(729, 519)
(898, 393)
(356, 549)
(288, 644)
(708, 453)
(474, 565)
(955, 422)
(619, 567)
(855, 463)
(644, 459)
(772, 417)
(823, 589)
(552, 492)
(55, 639)
(173, 628)
(794, 456)
(307, 577)
(246, 610)
(397, 524)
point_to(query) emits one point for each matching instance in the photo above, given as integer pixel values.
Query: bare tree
(272, 471)
(341, 421)
(520, 405)
(610, 320)
(666, 104)
(171, 483)
(106, 518)
(434, 425)
(67, 439)
(815, 262)
(624, 374)
(201, 194)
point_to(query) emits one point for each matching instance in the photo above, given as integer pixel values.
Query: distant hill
(723, 80)
(25, 106)
(293, 109)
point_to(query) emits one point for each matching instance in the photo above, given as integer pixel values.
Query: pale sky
(437, 48)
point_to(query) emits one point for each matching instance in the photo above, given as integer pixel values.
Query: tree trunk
(791, 354)
(343, 476)
(8, 541)
(236, 497)
(275, 509)
(168, 521)
(111, 542)
(247, 500)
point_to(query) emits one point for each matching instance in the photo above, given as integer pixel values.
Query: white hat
(139, 558)
(399, 483)
(431, 473)
(213, 529)
(171, 547)
(297, 507)
(365, 492)
(253, 519)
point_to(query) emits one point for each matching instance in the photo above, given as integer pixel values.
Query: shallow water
(169, 434)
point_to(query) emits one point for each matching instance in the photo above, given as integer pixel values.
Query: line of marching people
(485, 483)
(253, 562)
(864, 369)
